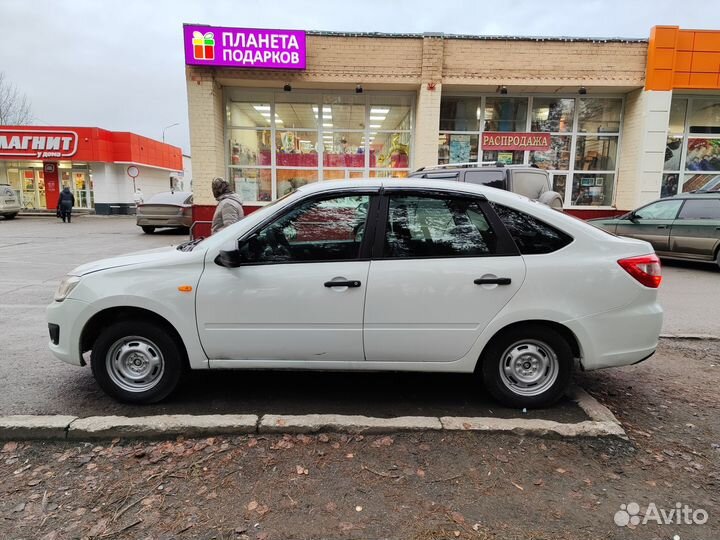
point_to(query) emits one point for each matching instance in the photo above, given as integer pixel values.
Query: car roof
(697, 195)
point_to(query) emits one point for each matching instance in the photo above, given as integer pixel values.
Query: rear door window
(437, 226)
(700, 209)
(531, 236)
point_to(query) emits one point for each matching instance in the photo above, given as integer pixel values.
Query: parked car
(531, 182)
(9, 202)
(685, 227)
(167, 209)
(377, 274)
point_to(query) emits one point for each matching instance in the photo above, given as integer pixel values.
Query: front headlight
(66, 286)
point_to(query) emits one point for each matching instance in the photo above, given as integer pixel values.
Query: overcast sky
(119, 64)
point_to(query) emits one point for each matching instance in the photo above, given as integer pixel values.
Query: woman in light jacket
(229, 209)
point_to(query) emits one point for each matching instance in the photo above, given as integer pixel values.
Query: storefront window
(505, 114)
(705, 116)
(703, 155)
(595, 153)
(278, 141)
(592, 189)
(557, 158)
(552, 114)
(669, 186)
(584, 137)
(460, 114)
(457, 148)
(693, 146)
(599, 115)
(702, 182)
(288, 180)
(250, 147)
(252, 184)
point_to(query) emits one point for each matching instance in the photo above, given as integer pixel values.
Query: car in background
(166, 209)
(9, 202)
(373, 275)
(684, 227)
(531, 182)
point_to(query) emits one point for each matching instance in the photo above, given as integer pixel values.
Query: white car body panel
(281, 316)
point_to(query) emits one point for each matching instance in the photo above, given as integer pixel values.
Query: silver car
(9, 203)
(167, 209)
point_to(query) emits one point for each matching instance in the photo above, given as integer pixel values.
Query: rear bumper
(619, 337)
(174, 221)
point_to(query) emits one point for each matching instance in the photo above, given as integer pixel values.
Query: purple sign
(244, 47)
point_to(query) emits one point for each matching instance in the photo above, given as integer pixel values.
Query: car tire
(717, 258)
(148, 229)
(527, 366)
(10, 216)
(137, 362)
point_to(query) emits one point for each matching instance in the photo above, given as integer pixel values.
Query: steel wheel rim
(135, 364)
(529, 367)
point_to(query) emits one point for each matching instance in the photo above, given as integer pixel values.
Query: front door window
(660, 210)
(318, 230)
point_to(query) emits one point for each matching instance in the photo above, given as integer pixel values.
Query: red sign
(508, 140)
(38, 143)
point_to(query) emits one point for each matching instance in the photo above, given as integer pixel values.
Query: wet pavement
(35, 253)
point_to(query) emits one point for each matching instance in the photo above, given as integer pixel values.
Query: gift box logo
(203, 46)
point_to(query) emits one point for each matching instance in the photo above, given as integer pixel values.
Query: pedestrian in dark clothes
(65, 204)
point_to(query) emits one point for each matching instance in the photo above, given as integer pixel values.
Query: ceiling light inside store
(478, 113)
(379, 110)
(327, 125)
(375, 126)
(262, 107)
(381, 118)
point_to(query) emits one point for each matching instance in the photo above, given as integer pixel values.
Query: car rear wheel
(527, 366)
(137, 362)
(148, 229)
(10, 216)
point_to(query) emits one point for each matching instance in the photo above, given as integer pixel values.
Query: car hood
(138, 257)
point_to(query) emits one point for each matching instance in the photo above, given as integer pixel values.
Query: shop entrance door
(83, 195)
(33, 189)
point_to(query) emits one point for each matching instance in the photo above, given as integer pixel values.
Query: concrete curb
(313, 423)
(164, 425)
(694, 337)
(602, 423)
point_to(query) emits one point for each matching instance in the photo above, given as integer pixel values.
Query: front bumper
(69, 317)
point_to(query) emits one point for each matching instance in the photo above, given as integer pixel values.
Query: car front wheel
(148, 229)
(527, 366)
(136, 362)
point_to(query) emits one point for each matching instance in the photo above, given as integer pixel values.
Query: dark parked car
(167, 209)
(684, 227)
(531, 182)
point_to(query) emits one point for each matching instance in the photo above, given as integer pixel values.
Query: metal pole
(168, 127)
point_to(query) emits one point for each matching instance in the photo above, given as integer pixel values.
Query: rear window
(168, 197)
(531, 236)
(531, 184)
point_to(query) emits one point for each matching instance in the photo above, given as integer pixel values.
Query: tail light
(646, 269)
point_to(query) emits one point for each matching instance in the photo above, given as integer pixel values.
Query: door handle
(350, 283)
(661, 226)
(493, 281)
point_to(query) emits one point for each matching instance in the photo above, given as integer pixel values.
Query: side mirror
(229, 256)
(632, 216)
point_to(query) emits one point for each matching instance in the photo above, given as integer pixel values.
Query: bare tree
(14, 105)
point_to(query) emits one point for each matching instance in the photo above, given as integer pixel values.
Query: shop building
(619, 122)
(38, 162)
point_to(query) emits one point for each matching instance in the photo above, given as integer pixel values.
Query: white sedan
(403, 275)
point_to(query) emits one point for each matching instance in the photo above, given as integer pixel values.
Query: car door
(695, 233)
(299, 290)
(651, 223)
(443, 267)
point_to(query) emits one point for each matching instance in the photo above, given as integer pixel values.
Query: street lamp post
(168, 127)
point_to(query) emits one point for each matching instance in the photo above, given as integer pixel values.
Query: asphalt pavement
(35, 253)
